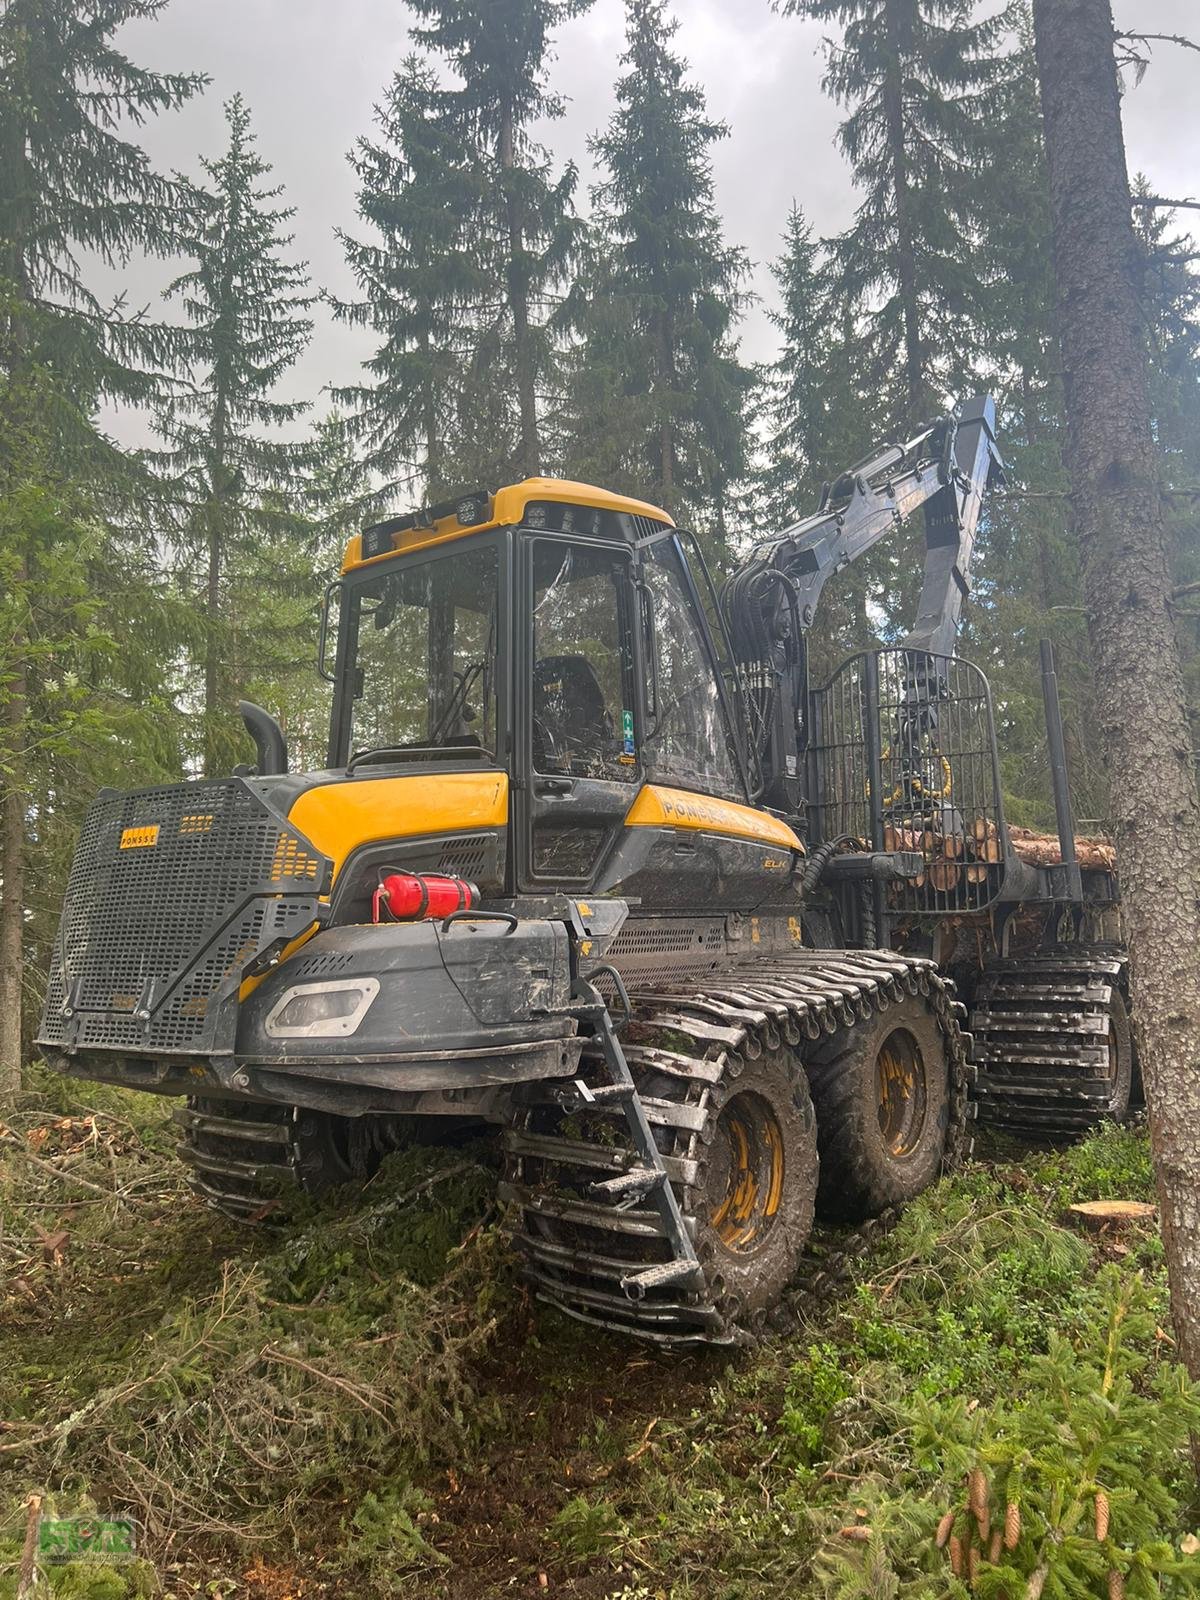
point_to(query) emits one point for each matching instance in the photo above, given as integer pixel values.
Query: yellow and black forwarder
(592, 859)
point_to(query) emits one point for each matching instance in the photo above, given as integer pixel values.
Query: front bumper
(461, 1013)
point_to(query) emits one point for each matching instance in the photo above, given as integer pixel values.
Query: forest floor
(366, 1404)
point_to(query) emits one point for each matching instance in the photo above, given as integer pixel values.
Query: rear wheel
(882, 1092)
(1120, 1059)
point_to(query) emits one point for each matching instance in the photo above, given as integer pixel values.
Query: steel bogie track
(239, 1154)
(1041, 1026)
(685, 1053)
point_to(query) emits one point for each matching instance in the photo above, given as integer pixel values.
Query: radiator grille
(172, 892)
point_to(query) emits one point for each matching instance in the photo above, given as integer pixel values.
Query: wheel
(882, 1094)
(1052, 1043)
(246, 1156)
(1120, 1060)
(741, 1148)
(754, 1212)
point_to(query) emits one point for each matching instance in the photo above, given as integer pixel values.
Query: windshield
(426, 655)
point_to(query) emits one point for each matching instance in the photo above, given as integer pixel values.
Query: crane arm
(770, 603)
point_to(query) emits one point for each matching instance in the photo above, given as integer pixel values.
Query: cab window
(582, 708)
(426, 655)
(688, 737)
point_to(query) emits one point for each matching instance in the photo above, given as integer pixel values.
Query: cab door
(577, 742)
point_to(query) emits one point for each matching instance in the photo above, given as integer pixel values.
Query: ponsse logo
(697, 811)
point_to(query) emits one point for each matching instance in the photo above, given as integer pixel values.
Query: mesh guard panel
(173, 894)
(916, 730)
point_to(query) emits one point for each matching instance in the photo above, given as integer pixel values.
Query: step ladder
(645, 1183)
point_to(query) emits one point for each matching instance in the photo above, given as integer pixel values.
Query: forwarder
(592, 859)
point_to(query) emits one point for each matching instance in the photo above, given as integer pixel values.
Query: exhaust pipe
(268, 738)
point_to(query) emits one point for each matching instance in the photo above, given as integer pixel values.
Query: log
(899, 838)
(943, 874)
(976, 872)
(1042, 850)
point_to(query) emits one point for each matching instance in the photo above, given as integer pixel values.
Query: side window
(582, 663)
(688, 740)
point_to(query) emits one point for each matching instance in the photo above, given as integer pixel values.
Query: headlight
(321, 1010)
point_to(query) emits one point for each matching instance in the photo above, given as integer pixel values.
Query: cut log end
(1099, 1214)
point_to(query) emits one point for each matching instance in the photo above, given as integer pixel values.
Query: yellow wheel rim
(900, 1092)
(746, 1173)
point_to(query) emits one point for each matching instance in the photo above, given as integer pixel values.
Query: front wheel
(246, 1157)
(754, 1211)
(883, 1094)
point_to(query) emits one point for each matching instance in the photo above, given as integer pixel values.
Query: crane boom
(770, 603)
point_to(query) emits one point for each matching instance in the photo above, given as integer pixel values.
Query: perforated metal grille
(322, 966)
(650, 953)
(172, 891)
(465, 857)
(920, 727)
(668, 938)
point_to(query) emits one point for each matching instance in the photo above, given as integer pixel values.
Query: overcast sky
(312, 71)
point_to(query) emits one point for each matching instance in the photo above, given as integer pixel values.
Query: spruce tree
(794, 403)
(477, 238)
(247, 315)
(1026, 572)
(71, 186)
(279, 661)
(814, 420)
(920, 80)
(421, 279)
(659, 397)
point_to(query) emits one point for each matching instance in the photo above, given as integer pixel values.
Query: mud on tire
(755, 1210)
(882, 1091)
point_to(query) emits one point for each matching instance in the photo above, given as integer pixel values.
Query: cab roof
(475, 511)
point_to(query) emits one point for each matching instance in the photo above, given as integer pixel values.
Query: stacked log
(1042, 850)
(950, 846)
(953, 847)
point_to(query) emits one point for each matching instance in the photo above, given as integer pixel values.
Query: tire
(246, 1157)
(1121, 1062)
(754, 1209)
(746, 1136)
(882, 1094)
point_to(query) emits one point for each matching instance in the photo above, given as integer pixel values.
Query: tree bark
(12, 878)
(919, 402)
(1117, 509)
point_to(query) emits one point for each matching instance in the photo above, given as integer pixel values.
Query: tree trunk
(529, 450)
(665, 385)
(12, 874)
(919, 402)
(212, 649)
(1118, 519)
(215, 671)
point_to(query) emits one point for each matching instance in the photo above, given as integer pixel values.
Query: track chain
(686, 1051)
(244, 1157)
(1040, 1026)
(240, 1154)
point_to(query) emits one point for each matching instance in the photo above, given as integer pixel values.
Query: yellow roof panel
(508, 508)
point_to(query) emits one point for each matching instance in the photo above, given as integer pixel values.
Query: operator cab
(552, 632)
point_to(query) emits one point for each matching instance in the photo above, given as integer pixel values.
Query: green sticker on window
(627, 732)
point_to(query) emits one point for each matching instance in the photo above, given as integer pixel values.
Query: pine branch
(1157, 202)
(1161, 38)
